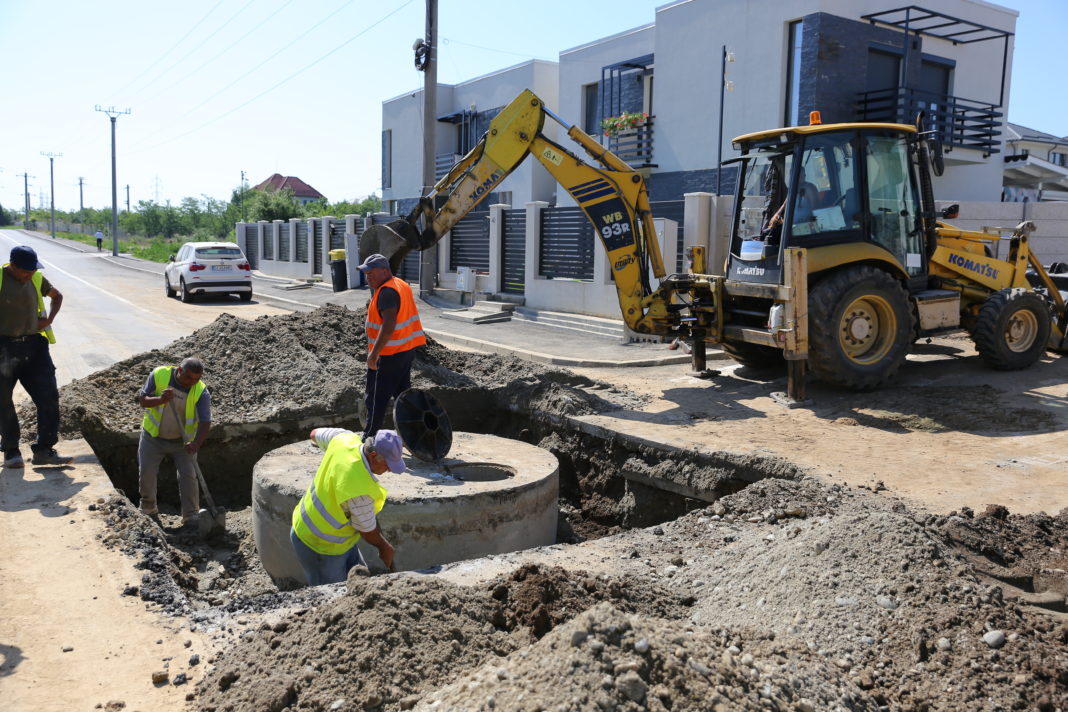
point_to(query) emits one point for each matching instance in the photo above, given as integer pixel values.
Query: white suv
(208, 267)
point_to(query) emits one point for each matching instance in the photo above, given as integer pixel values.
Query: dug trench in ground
(787, 591)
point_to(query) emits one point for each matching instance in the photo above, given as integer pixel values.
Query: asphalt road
(112, 311)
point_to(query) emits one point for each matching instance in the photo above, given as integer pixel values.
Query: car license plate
(220, 268)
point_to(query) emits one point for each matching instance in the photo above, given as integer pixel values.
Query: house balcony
(634, 146)
(959, 123)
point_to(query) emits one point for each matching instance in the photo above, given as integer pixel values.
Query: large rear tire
(754, 356)
(860, 327)
(1012, 329)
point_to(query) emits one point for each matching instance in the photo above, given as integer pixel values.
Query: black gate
(283, 242)
(514, 251)
(300, 244)
(672, 210)
(252, 246)
(317, 246)
(469, 242)
(337, 235)
(566, 244)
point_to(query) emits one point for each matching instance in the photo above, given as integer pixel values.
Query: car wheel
(246, 296)
(167, 289)
(186, 296)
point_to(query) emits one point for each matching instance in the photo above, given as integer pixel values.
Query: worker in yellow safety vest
(25, 333)
(176, 423)
(342, 503)
(393, 333)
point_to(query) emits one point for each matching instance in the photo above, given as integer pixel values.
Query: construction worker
(25, 333)
(176, 423)
(342, 502)
(393, 333)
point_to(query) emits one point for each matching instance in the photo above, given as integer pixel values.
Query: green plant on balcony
(615, 125)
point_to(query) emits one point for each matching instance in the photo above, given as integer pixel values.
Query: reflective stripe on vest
(408, 333)
(154, 416)
(319, 520)
(37, 280)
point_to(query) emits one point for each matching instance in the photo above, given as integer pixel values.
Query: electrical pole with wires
(113, 113)
(426, 61)
(52, 185)
(26, 191)
(127, 197)
(81, 194)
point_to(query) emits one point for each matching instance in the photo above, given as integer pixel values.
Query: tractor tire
(754, 356)
(860, 328)
(1012, 329)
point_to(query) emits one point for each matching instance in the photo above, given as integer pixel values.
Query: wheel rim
(1021, 329)
(866, 330)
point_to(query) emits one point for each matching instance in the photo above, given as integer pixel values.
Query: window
(793, 76)
(884, 70)
(387, 158)
(591, 109)
(892, 201)
(827, 200)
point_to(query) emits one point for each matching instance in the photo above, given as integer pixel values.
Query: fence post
(533, 240)
(496, 244)
(276, 236)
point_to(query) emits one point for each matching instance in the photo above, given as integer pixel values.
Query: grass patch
(156, 249)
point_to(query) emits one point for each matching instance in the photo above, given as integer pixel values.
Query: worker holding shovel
(176, 423)
(342, 502)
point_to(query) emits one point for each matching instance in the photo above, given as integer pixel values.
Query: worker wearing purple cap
(343, 502)
(25, 333)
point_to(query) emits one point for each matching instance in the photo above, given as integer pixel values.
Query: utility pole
(113, 114)
(81, 195)
(426, 61)
(725, 85)
(26, 206)
(241, 197)
(127, 197)
(52, 183)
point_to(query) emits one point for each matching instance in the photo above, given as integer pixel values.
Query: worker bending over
(394, 331)
(343, 502)
(176, 423)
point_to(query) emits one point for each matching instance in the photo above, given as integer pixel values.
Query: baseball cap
(24, 257)
(374, 261)
(389, 445)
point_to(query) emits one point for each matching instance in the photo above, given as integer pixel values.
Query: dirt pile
(785, 595)
(300, 365)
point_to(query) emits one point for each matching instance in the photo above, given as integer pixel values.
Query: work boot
(13, 460)
(50, 457)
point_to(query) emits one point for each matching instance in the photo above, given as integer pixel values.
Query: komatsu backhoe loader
(837, 257)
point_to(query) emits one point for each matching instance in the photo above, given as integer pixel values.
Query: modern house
(303, 192)
(700, 73)
(1036, 165)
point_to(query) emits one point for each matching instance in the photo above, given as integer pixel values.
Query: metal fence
(252, 246)
(514, 251)
(300, 252)
(469, 242)
(283, 242)
(567, 247)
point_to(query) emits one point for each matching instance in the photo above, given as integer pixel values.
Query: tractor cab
(845, 192)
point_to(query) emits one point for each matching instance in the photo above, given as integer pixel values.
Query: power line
(173, 47)
(250, 71)
(287, 79)
(194, 49)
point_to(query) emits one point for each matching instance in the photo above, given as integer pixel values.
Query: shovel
(213, 518)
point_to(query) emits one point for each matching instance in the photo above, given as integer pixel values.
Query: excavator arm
(611, 194)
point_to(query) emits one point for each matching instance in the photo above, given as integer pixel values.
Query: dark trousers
(28, 362)
(393, 377)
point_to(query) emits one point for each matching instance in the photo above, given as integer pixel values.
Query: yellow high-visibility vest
(154, 416)
(319, 520)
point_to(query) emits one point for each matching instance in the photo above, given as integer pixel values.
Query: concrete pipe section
(489, 496)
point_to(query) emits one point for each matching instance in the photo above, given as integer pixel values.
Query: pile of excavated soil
(295, 366)
(786, 595)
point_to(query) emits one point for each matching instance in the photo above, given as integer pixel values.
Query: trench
(607, 482)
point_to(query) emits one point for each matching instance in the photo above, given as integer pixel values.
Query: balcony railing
(634, 146)
(959, 122)
(443, 163)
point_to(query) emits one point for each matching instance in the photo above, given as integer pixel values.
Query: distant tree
(370, 204)
(272, 205)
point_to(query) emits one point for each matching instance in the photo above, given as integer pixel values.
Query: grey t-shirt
(170, 428)
(18, 305)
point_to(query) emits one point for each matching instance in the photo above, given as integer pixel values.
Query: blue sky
(295, 87)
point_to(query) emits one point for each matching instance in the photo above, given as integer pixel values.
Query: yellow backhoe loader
(837, 257)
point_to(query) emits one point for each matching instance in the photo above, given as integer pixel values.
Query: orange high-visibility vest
(408, 333)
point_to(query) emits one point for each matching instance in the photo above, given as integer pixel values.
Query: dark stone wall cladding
(834, 55)
(674, 184)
